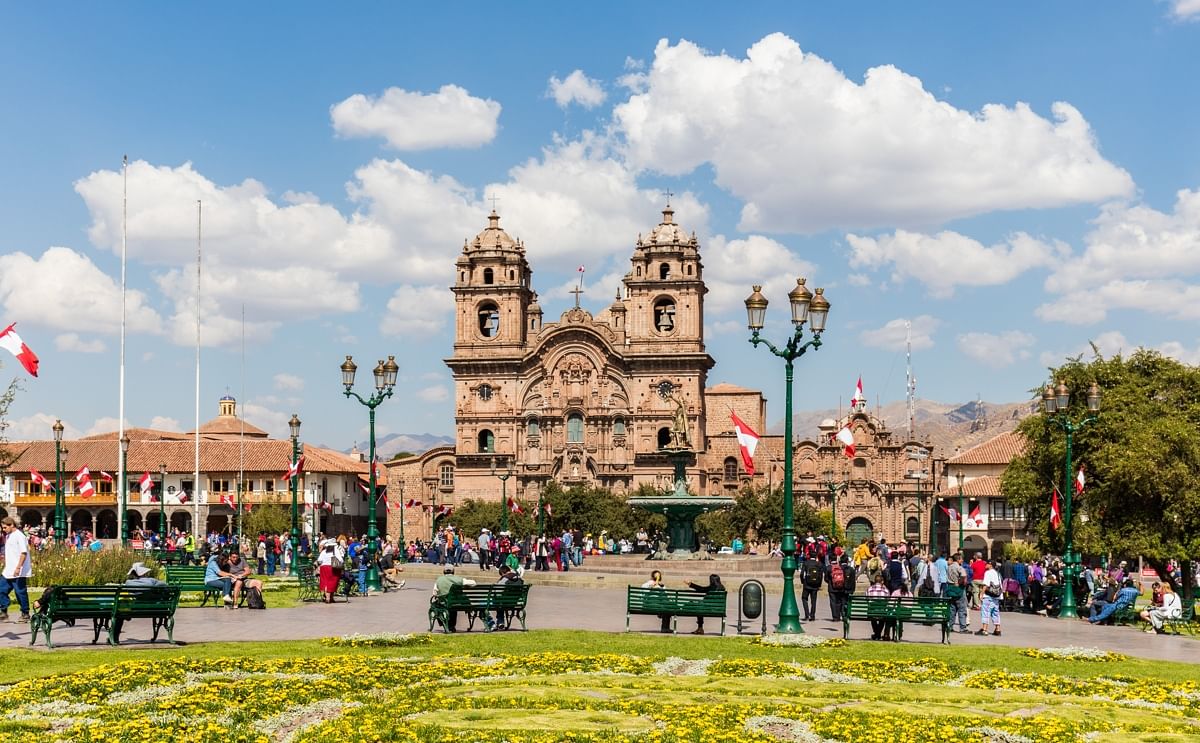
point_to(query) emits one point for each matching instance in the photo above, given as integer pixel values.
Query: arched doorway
(106, 524)
(153, 521)
(217, 522)
(859, 529)
(81, 518)
(973, 544)
(135, 520)
(181, 520)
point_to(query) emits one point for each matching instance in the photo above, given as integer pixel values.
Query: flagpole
(122, 520)
(196, 533)
(242, 435)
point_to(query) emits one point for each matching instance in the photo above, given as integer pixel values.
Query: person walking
(840, 578)
(989, 602)
(810, 578)
(18, 567)
(956, 591)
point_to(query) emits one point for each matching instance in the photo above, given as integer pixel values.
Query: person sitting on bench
(1125, 598)
(441, 589)
(239, 573)
(217, 577)
(714, 584)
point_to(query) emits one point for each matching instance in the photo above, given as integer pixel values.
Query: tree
(7, 456)
(1142, 458)
(268, 518)
(590, 509)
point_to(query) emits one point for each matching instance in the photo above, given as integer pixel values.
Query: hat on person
(810, 540)
(1123, 563)
(139, 570)
(448, 571)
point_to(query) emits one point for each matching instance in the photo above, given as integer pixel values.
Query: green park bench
(901, 610)
(166, 557)
(190, 579)
(480, 602)
(109, 607)
(661, 602)
(308, 587)
(1185, 624)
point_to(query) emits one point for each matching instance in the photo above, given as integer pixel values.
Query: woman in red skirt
(329, 569)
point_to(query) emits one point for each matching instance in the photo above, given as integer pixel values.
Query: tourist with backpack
(840, 578)
(927, 579)
(810, 579)
(956, 591)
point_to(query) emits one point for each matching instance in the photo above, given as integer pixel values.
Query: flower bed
(798, 641)
(1071, 652)
(603, 698)
(378, 640)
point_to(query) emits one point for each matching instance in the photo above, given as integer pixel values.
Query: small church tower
(665, 290)
(492, 295)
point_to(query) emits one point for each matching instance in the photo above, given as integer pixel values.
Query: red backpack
(837, 578)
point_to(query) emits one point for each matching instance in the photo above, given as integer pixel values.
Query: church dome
(493, 238)
(667, 232)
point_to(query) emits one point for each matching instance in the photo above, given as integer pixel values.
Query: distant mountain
(949, 427)
(417, 443)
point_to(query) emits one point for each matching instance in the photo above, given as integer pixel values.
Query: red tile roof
(999, 450)
(976, 487)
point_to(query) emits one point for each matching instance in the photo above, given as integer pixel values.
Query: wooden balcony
(44, 500)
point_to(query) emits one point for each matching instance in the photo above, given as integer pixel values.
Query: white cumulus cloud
(996, 350)
(947, 260)
(37, 427)
(411, 120)
(1185, 10)
(285, 381)
(165, 423)
(733, 266)
(806, 148)
(576, 88)
(417, 310)
(72, 342)
(434, 393)
(64, 290)
(891, 337)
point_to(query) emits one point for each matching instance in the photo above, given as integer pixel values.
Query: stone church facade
(585, 399)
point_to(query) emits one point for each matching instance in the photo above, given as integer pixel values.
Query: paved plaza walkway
(553, 607)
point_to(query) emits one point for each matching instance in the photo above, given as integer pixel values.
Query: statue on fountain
(679, 424)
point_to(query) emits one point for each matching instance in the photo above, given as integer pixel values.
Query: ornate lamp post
(124, 491)
(385, 381)
(508, 472)
(60, 499)
(833, 493)
(961, 506)
(162, 506)
(1056, 402)
(814, 309)
(294, 425)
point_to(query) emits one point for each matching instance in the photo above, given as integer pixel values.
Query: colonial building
(589, 399)
(231, 449)
(972, 489)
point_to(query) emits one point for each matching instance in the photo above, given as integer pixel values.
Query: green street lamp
(60, 499)
(162, 506)
(508, 472)
(125, 491)
(833, 493)
(814, 309)
(294, 425)
(541, 515)
(961, 510)
(1056, 402)
(385, 381)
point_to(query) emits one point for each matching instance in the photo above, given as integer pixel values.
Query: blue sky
(1013, 180)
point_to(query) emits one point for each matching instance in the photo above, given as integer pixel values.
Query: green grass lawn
(547, 686)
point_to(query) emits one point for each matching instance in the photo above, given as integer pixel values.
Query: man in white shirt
(18, 566)
(989, 605)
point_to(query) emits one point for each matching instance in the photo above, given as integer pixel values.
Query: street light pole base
(789, 627)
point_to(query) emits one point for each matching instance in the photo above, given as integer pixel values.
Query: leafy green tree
(591, 509)
(270, 518)
(7, 456)
(1141, 455)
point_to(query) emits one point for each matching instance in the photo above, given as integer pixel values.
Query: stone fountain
(680, 508)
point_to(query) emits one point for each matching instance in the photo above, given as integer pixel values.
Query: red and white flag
(952, 513)
(40, 479)
(364, 487)
(147, 485)
(445, 511)
(1079, 482)
(247, 505)
(326, 506)
(83, 478)
(514, 506)
(387, 503)
(375, 467)
(412, 503)
(975, 516)
(859, 398)
(1055, 515)
(580, 269)
(11, 342)
(227, 500)
(846, 436)
(294, 469)
(747, 441)
(549, 510)
(106, 476)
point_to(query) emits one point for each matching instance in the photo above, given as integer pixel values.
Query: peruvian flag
(747, 441)
(846, 436)
(106, 476)
(147, 485)
(183, 497)
(975, 516)
(859, 398)
(326, 506)
(227, 500)
(444, 511)
(412, 503)
(580, 269)
(84, 479)
(364, 487)
(514, 506)
(1055, 514)
(40, 479)
(294, 469)
(11, 342)
(952, 513)
(375, 467)
(1079, 482)
(387, 503)
(247, 507)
